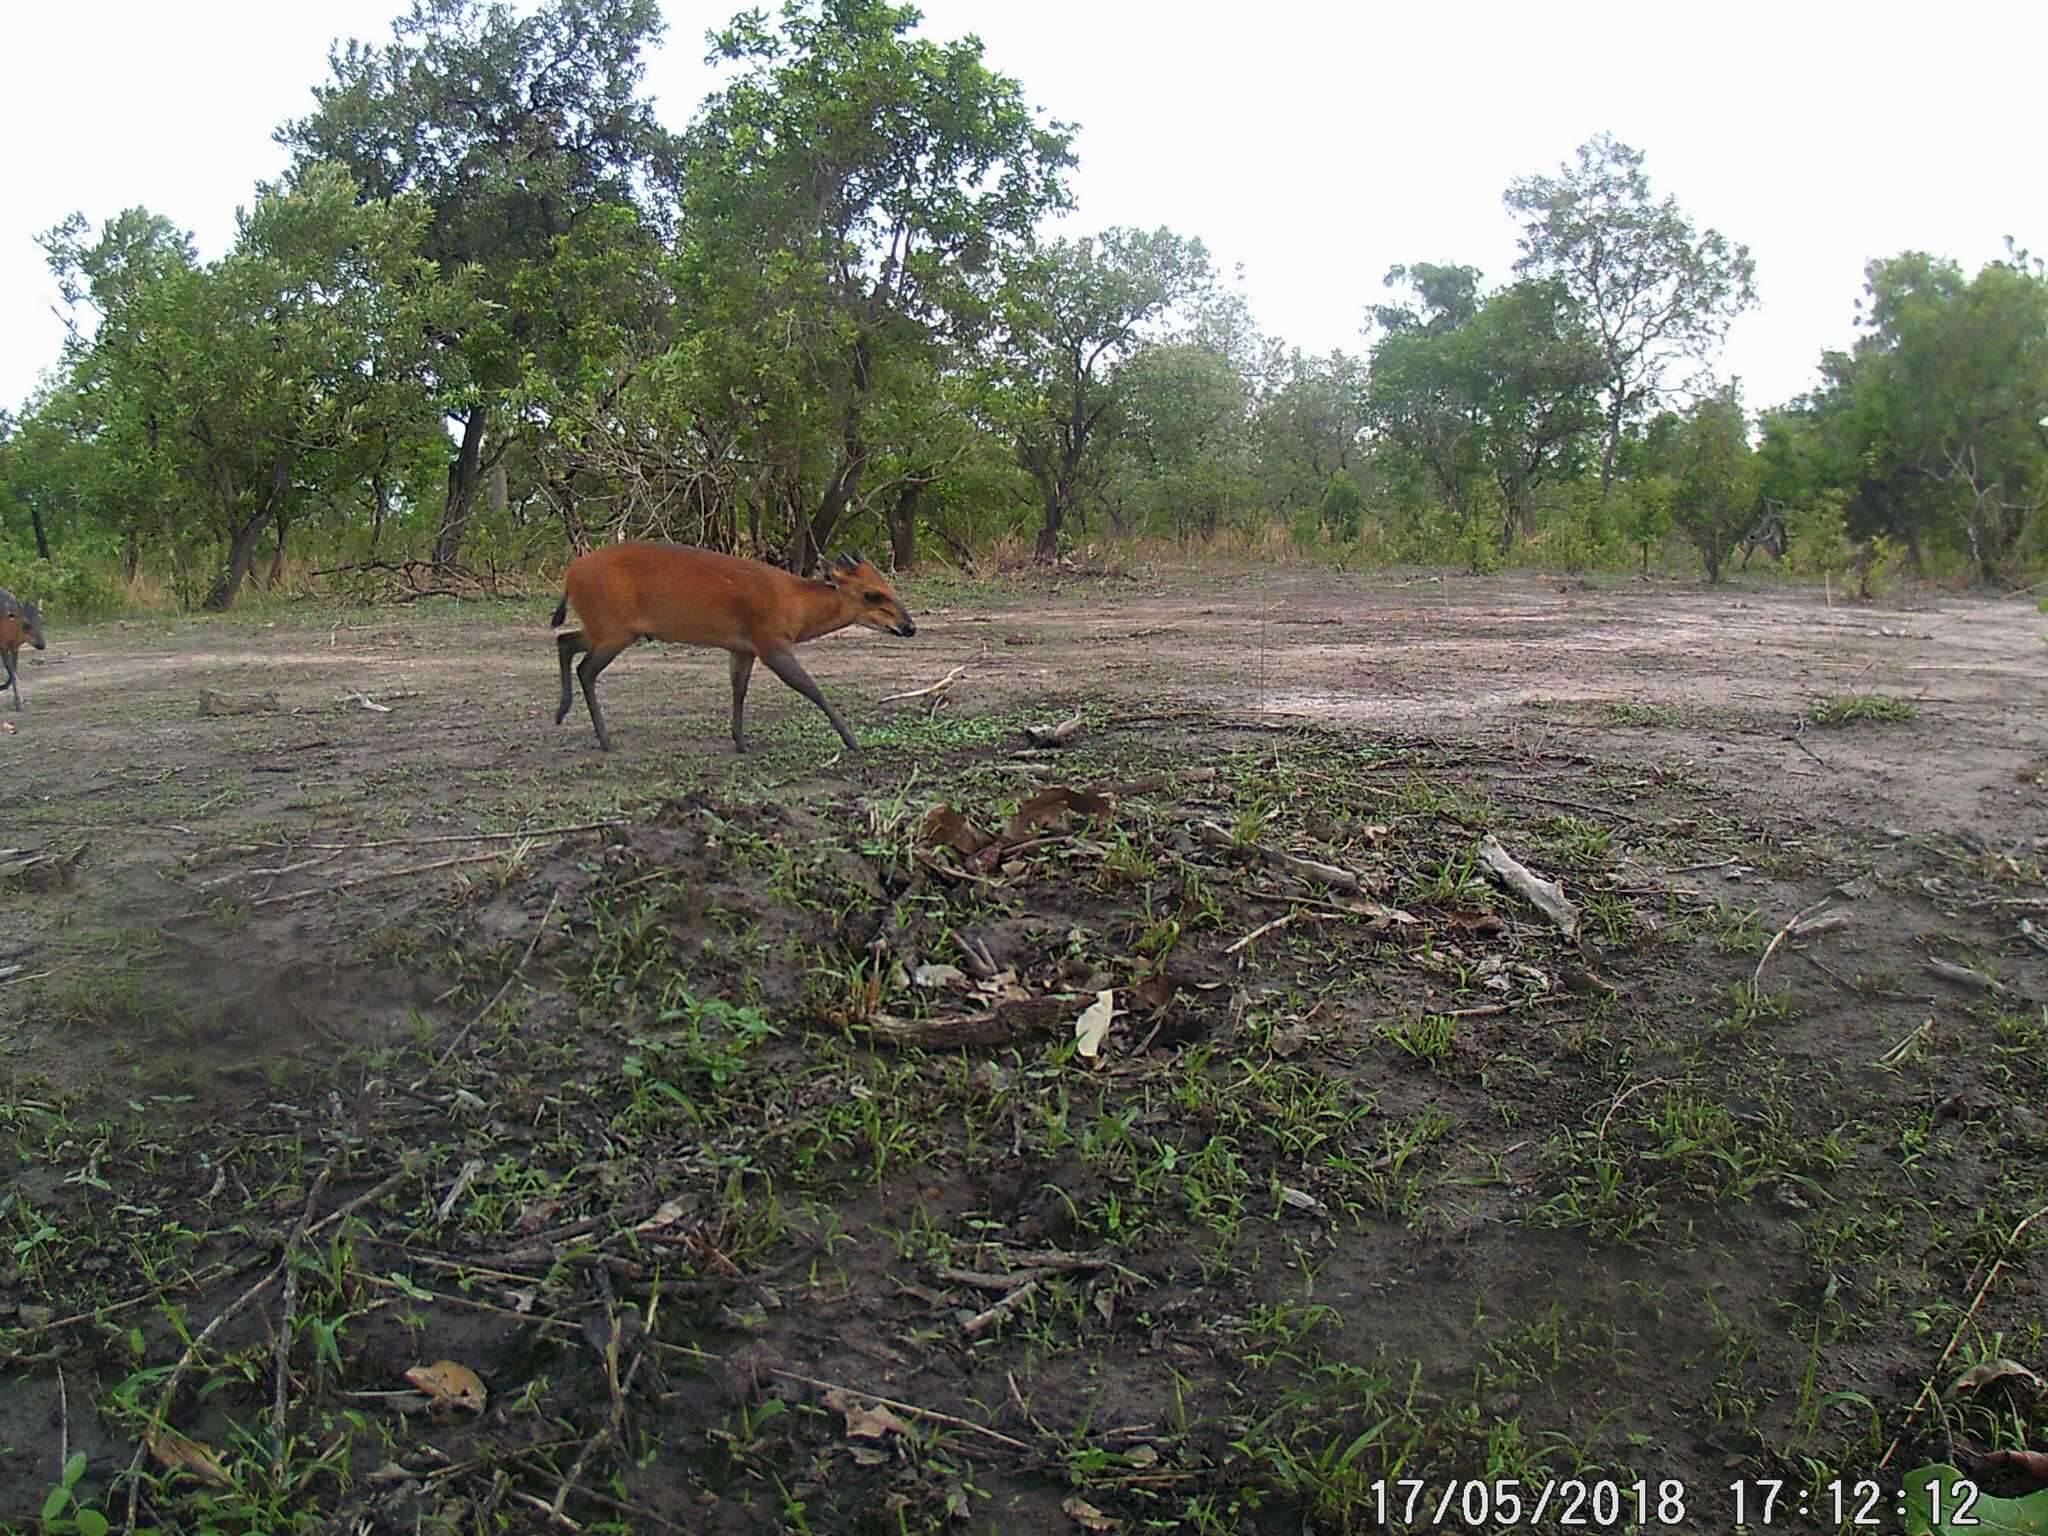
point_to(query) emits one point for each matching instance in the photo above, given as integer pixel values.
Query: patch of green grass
(1851, 708)
(1627, 712)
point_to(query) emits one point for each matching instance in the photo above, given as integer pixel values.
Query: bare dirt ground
(374, 1037)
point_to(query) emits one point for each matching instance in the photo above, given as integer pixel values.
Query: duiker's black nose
(909, 627)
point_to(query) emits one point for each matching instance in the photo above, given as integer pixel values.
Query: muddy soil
(1391, 1167)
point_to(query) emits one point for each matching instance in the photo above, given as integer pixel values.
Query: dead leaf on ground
(936, 977)
(2009, 1373)
(2032, 1465)
(1289, 1038)
(1086, 1515)
(1474, 922)
(1049, 807)
(1155, 991)
(449, 1384)
(671, 1212)
(1093, 1024)
(1054, 735)
(180, 1453)
(945, 827)
(864, 1421)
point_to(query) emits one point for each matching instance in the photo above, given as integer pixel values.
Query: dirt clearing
(441, 1125)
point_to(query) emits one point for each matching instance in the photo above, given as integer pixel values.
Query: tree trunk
(131, 555)
(1048, 548)
(815, 532)
(382, 491)
(35, 516)
(463, 475)
(903, 526)
(277, 560)
(1613, 443)
(242, 550)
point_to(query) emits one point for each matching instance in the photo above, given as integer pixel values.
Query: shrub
(67, 588)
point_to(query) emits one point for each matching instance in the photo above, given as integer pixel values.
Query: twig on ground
(929, 689)
(1279, 922)
(380, 875)
(1547, 896)
(1969, 1314)
(184, 1362)
(497, 996)
(455, 837)
(984, 1320)
(1623, 1098)
(1791, 927)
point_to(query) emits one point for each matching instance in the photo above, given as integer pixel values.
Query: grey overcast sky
(1315, 144)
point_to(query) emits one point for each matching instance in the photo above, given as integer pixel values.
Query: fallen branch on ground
(1061, 735)
(1312, 869)
(930, 688)
(1547, 896)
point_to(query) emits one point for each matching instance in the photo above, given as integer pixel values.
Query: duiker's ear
(846, 565)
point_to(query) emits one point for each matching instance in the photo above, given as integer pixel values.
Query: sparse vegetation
(1858, 708)
(631, 1095)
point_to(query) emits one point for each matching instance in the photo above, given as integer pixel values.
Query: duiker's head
(32, 621)
(877, 604)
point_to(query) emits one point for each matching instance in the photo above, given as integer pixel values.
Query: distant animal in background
(19, 621)
(628, 592)
(1768, 533)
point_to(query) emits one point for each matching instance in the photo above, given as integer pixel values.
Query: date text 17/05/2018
(1596, 1504)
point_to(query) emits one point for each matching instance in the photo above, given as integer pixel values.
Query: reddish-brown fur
(19, 624)
(628, 592)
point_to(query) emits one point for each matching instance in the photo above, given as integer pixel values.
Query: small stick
(1648, 1082)
(917, 693)
(982, 1321)
(1779, 937)
(63, 1422)
(820, 1384)
(1956, 1338)
(498, 996)
(1265, 928)
(184, 1362)
(458, 837)
(382, 874)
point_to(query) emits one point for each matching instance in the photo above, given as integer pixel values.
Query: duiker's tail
(561, 612)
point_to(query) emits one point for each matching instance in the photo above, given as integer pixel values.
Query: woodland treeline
(495, 310)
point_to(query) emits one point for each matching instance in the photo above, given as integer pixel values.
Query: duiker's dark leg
(742, 670)
(790, 670)
(569, 646)
(593, 664)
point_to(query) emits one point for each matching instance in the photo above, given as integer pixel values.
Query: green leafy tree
(513, 127)
(251, 385)
(1476, 388)
(1654, 290)
(853, 200)
(1342, 508)
(1714, 474)
(1075, 314)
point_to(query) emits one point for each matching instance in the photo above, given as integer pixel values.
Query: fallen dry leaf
(1995, 1372)
(1086, 1515)
(1155, 991)
(937, 976)
(862, 1421)
(671, 1212)
(2032, 1465)
(1474, 922)
(945, 827)
(1093, 1024)
(448, 1384)
(179, 1453)
(1049, 807)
